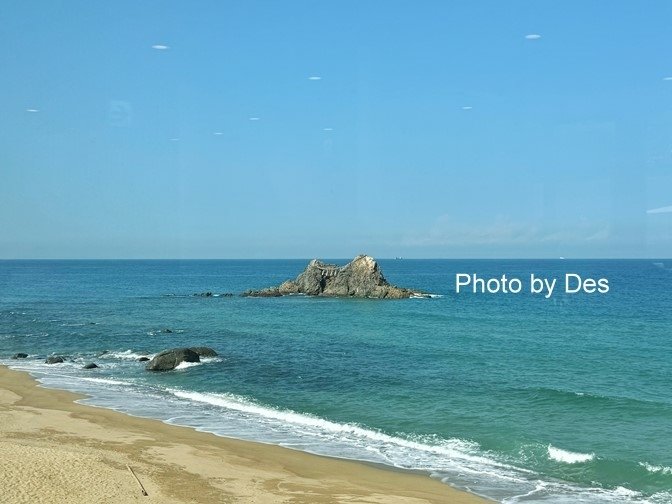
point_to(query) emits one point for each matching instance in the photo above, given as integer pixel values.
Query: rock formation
(170, 359)
(54, 359)
(20, 355)
(359, 278)
(203, 351)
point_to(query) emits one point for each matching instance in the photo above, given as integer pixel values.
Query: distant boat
(562, 257)
(398, 257)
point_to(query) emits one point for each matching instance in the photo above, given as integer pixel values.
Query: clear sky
(247, 129)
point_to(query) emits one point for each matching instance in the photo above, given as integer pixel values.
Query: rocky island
(360, 278)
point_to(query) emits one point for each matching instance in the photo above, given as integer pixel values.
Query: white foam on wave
(558, 492)
(656, 468)
(29, 364)
(105, 381)
(663, 497)
(63, 375)
(185, 365)
(418, 295)
(568, 457)
(538, 489)
(449, 449)
(126, 355)
(204, 360)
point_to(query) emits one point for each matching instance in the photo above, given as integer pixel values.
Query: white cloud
(32, 110)
(160, 47)
(328, 129)
(667, 78)
(667, 209)
(467, 107)
(533, 36)
(218, 133)
(175, 139)
(254, 118)
(314, 77)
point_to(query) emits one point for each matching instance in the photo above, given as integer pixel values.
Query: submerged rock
(170, 359)
(167, 331)
(203, 351)
(143, 359)
(359, 278)
(20, 355)
(54, 359)
(90, 365)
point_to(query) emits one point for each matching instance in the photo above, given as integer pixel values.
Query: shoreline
(53, 449)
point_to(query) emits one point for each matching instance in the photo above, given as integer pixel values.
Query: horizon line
(335, 258)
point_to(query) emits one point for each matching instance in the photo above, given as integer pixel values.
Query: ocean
(515, 397)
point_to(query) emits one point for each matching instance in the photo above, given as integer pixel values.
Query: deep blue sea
(515, 397)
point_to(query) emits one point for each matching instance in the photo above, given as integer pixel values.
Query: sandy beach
(55, 450)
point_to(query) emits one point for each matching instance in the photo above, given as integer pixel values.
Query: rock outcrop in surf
(360, 278)
(171, 358)
(204, 351)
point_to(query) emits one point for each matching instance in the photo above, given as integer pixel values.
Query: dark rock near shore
(212, 294)
(170, 359)
(143, 359)
(360, 278)
(203, 351)
(20, 355)
(203, 294)
(90, 365)
(54, 359)
(167, 331)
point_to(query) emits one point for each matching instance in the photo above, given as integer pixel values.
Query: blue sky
(435, 129)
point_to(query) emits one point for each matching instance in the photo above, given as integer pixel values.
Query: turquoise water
(515, 397)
